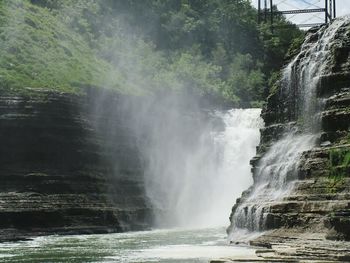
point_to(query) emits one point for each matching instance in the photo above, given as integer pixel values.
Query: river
(168, 246)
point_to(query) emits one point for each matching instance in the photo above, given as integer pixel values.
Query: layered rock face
(61, 174)
(319, 198)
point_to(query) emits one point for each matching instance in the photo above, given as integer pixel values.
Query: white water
(302, 75)
(194, 182)
(276, 173)
(277, 170)
(166, 246)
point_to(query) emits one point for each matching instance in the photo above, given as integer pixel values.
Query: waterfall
(197, 166)
(302, 74)
(276, 171)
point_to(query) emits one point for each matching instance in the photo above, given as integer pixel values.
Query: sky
(343, 8)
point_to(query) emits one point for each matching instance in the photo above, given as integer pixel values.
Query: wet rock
(57, 173)
(325, 144)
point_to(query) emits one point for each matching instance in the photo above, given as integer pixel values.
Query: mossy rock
(339, 163)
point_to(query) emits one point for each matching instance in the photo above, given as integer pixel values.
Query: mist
(192, 153)
(194, 158)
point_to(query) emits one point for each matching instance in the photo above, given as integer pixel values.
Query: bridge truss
(267, 10)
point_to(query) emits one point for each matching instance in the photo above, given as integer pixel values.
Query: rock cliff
(317, 208)
(59, 174)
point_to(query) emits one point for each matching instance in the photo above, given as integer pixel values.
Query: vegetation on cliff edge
(213, 48)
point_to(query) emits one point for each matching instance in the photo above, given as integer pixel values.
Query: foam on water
(186, 252)
(166, 246)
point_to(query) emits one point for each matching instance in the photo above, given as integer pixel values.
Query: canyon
(100, 161)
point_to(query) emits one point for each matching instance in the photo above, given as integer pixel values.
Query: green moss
(335, 184)
(295, 47)
(339, 163)
(340, 157)
(257, 104)
(346, 161)
(344, 139)
(274, 82)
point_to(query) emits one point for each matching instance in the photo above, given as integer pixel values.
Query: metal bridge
(267, 10)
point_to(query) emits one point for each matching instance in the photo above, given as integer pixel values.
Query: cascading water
(277, 170)
(276, 173)
(195, 170)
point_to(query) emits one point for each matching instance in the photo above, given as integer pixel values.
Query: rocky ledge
(58, 173)
(295, 245)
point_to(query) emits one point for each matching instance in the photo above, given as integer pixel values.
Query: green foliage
(277, 42)
(340, 157)
(245, 79)
(189, 70)
(339, 162)
(212, 47)
(222, 31)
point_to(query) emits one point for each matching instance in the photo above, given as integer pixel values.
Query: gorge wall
(61, 173)
(315, 197)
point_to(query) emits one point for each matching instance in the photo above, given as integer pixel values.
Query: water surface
(177, 245)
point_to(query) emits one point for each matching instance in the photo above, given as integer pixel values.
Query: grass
(38, 50)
